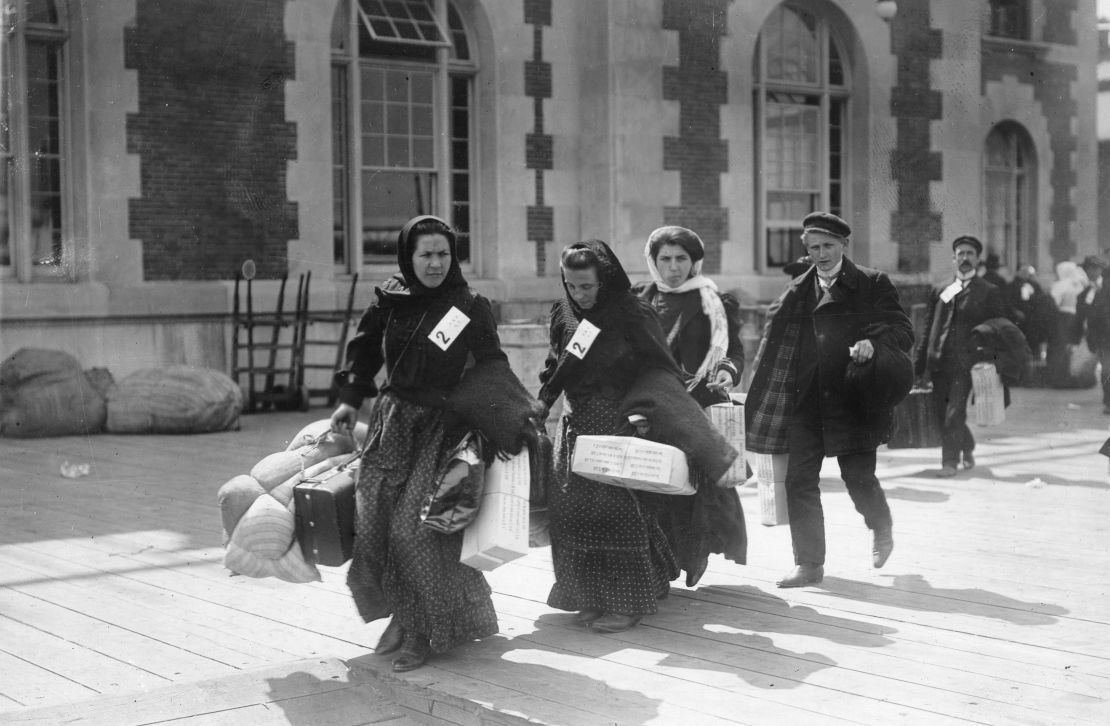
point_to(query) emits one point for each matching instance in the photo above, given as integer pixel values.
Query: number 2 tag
(448, 328)
(583, 338)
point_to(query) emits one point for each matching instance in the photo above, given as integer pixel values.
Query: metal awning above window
(411, 22)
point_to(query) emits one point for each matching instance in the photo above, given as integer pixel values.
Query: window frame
(445, 69)
(18, 35)
(1022, 246)
(1024, 20)
(827, 94)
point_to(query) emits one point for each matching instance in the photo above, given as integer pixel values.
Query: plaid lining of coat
(768, 424)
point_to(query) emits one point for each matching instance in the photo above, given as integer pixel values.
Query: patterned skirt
(608, 549)
(399, 566)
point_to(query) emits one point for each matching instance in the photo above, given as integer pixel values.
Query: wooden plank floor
(994, 609)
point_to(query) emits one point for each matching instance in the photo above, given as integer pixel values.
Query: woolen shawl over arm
(419, 370)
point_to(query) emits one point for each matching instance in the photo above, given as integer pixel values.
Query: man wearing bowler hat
(946, 354)
(829, 315)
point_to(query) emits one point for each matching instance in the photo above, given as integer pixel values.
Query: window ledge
(96, 300)
(999, 45)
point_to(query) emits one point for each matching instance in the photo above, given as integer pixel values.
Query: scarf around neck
(711, 306)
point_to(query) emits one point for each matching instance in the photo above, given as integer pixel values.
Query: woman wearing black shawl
(400, 566)
(611, 558)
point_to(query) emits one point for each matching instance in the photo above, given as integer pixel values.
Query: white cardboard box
(728, 419)
(990, 405)
(770, 474)
(499, 533)
(630, 462)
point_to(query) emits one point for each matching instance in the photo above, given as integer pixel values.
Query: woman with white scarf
(701, 324)
(703, 332)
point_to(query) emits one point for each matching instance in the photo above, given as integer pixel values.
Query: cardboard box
(990, 405)
(770, 473)
(728, 419)
(499, 533)
(630, 462)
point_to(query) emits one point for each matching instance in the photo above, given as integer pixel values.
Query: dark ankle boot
(414, 652)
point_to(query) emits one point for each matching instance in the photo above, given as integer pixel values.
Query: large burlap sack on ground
(178, 399)
(45, 393)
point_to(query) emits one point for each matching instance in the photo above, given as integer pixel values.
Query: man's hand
(862, 351)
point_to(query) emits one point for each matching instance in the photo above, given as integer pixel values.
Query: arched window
(33, 214)
(402, 115)
(801, 108)
(1009, 185)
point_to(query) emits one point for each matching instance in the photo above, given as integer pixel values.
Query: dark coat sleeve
(733, 361)
(920, 359)
(364, 357)
(895, 328)
(549, 389)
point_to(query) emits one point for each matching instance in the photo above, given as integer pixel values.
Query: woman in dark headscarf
(399, 566)
(611, 559)
(703, 332)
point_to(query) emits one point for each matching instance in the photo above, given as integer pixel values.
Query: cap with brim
(967, 239)
(826, 223)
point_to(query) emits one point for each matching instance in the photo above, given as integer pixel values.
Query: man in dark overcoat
(833, 313)
(946, 353)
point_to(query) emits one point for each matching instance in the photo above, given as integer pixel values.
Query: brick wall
(538, 144)
(698, 153)
(211, 136)
(914, 104)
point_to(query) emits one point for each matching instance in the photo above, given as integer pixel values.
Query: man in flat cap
(946, 354)
(1092, 312)
(832, 313)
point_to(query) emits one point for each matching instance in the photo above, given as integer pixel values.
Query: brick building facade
(156, 145)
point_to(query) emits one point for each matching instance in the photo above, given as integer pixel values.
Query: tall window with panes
(801, 113)
(33, 219)
(402, 109)
(1009, 192)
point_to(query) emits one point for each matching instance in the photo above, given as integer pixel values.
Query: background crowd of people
(1067, 326)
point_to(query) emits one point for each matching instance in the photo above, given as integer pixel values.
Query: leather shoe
(882, 544)
(391, 638)
(968, 461)
(946, 472)
(803, 575)
(585, 617)
(615, 623)
(413, 653)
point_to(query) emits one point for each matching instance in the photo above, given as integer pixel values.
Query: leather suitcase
(325, 515)
(915, 424)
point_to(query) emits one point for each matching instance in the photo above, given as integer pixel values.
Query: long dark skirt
(608, 550)
(711, 521)
(399, 566)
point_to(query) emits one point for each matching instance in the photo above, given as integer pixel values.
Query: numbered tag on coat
(583, 338)
(951, 291)
(448, 329)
